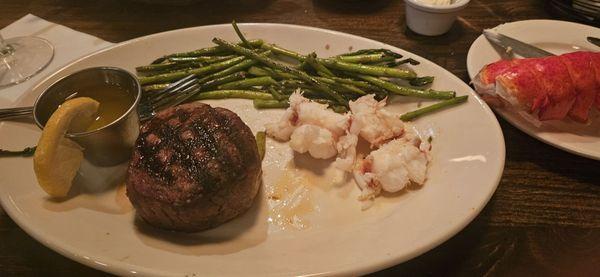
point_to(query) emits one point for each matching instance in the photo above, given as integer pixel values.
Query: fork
(175, 94)
(151, 103)
(11, 113)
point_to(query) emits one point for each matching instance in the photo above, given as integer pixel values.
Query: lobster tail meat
(519, 77)
(551, 87)
(491, 71)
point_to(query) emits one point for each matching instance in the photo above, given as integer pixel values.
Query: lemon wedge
(57, 158)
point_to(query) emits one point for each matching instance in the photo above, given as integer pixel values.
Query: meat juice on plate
(290, 200)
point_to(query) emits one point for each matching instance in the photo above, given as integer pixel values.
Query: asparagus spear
(249, 82)
(167, 77)
(359, 55)
(342, 87)
(277, 95)
(155, 87)
(311, 59)
(369, 56)
(27, 152)
(204, 51)
(435, 107)
(292, 84)
(366, 58)
(410, 61)
(261, 141)
(257, 71)
(207, 85)
(265, 60)
(349, 57)
(222, 94)
(203, 86)
(223, 80)
(309, 90)
(230, 70)
(373, 51)
(356, 83)
(275, 104)
(265, 71)
(202, 59)
(406, 91)
(239, 33)
(166, 66)
(370, 70)
(421, 81)
(270, 104)
(282, 51)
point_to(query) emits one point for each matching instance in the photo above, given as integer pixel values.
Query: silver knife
(516, 46)
(595, 41)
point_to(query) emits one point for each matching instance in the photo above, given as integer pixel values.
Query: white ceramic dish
(432, 20)
(557, 37)
(97, 227)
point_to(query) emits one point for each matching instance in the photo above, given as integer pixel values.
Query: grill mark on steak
(246, 152)
(202, 139)
(187, 147)
(193, 167)
(228, 151)
(170, 138)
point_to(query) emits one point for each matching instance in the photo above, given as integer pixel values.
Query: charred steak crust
(193, 168)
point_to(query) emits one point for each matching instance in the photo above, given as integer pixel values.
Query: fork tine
(177, 89)
(146, 115)
(6, 115)
(17, 109)
(15, 112)
(168, 92)
(185, 96)
(175, 84)
(178, 98)
(174, 94)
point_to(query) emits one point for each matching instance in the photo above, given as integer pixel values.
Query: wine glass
(23, 57)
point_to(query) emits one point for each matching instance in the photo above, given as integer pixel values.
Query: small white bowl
(432, 20)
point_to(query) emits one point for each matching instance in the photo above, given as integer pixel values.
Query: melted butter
(290, 201)
(114, 102)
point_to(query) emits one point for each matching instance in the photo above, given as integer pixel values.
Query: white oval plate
(557, 37)
(97, 227)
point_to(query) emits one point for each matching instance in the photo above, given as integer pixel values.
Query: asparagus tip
(433, 108)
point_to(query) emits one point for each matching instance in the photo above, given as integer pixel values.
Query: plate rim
(513, 119)
(123, 268)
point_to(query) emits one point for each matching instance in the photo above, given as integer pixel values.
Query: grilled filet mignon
(193, 167)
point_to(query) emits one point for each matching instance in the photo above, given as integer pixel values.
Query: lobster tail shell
(553, 87)
(582, 74)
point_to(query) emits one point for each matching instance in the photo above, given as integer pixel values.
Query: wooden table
(544, 219)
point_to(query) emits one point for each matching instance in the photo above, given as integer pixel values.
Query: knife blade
(593, 40)
(510, 44)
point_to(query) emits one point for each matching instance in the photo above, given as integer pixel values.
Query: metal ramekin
(111, 144)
